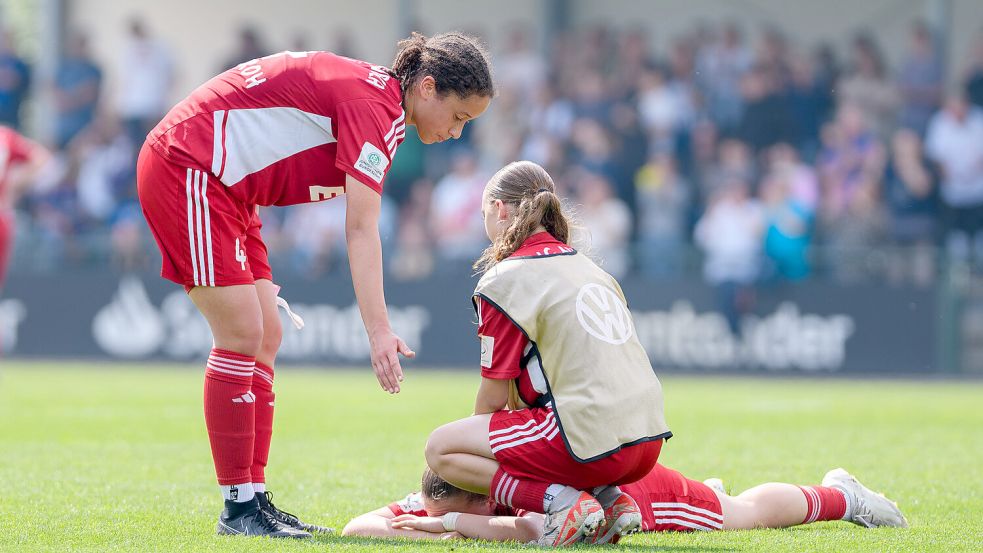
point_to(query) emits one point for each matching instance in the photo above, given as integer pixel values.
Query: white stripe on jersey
(218, 149)
(392, 129)
(254, 139)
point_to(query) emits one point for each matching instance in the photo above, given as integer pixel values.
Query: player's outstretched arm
(521, 529)
(365, 259)
(379, 524)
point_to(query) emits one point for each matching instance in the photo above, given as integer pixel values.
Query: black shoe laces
(267, 521)
(285, 517)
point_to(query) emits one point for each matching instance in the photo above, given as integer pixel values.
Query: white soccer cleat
(870, 509)
(571, 521)
(716, 485)
(622, 516)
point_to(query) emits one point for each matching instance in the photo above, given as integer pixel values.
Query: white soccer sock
(259, 487)
(240, 493)
(607, 495)
(850, 503)
(560, 496)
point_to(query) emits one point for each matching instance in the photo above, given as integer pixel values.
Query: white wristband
(450, 521)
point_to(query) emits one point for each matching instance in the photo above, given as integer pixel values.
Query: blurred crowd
(745, 155)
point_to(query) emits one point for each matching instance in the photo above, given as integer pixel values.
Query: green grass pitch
(97, 458)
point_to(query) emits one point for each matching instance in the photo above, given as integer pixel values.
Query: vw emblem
(603, 315)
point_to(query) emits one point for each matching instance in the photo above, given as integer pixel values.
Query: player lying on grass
(670, 503)
(557, 348)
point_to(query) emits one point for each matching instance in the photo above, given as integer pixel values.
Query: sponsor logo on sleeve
(372, 162)
(487, 349)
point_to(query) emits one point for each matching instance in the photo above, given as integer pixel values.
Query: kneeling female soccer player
(559, 349)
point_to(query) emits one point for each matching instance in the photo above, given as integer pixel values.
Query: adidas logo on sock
(247, 397)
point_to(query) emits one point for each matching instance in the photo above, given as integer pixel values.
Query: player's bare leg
(235, 317)
(771, 505)
(459, 452)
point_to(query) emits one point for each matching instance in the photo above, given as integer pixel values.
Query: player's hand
(424, 524)
(385, 350)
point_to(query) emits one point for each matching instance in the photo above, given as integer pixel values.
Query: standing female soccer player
(559, 349)
(20, 160)
(290, 128)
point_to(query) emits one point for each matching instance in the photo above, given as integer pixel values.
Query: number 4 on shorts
(241, 255)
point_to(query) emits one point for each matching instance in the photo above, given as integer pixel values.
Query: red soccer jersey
(506, 352)
(286, 129)
(14, 149)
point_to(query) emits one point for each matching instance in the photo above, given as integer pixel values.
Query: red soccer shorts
(527, 444)
(670, 502)
(205, 235)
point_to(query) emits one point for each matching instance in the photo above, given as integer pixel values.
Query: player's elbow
(362, 527)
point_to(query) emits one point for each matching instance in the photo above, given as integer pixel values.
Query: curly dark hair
(458, 62)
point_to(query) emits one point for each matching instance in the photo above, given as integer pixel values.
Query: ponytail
(530, 188)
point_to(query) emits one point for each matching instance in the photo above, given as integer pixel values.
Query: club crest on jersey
(372, 162)
(603, 315)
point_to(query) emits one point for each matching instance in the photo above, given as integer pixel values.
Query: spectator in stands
(850, 164)
(955, 142)
(77, 87)
(868, 87)
(663, 209)
(810, 101)
(720, 66)
(607, 220)
(910, 190)
(767, 119)
(105, 180)
(920, 79)
(15, 81)
(414, 258)
(734, 162)
(146, 78)
(457, 231)
(730, 233)
(974, 73)
(249, 46)
(519, 68)
(664, 110)
(788, 226)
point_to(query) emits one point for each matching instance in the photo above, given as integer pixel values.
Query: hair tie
(541, 190)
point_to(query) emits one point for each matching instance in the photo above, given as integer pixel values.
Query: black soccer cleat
(249, 519)
(288, 519)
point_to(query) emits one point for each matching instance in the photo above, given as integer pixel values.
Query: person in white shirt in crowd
(458, 234)
(607, 220)
(146, 78)
(731, 235)
(955, 143)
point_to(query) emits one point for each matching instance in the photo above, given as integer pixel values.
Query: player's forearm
(495, 528)
(365, 259)
(371, 526)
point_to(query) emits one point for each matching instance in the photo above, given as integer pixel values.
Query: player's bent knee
(435, 450)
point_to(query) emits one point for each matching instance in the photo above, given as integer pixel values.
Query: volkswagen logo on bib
(603, 315)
